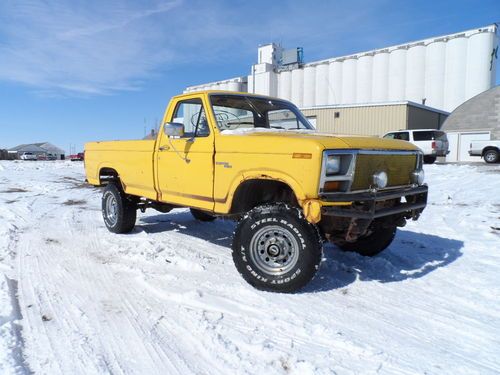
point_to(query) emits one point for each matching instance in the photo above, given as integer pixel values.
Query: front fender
(224, 205)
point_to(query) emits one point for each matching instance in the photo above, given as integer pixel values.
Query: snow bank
(167, 299)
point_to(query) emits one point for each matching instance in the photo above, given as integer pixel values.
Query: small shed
(374, 119)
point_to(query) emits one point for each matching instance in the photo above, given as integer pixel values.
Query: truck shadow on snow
(411, 256)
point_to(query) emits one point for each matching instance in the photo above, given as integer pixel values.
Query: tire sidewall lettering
(266, 278)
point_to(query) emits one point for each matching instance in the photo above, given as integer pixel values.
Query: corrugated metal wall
(374, 120)
(420, 118)
(369, 120)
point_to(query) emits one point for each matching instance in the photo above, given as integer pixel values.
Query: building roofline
(489, 28)
(240, 79)
(227, 92)
(493, 27)
(377, 104)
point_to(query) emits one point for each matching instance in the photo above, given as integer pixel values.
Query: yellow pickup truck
(257, 160)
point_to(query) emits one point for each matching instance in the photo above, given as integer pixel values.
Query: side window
(423, 136)
(390, 136)
(192, 114)
(404, 136)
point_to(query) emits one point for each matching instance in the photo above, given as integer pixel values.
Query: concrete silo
(364, 79)
(397, 74)
(380, 77)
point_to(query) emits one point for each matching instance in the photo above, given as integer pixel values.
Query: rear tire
(372, 244)
(118, 210)
(491, 156)
(429, 159)
(275, 249)
(201, 215)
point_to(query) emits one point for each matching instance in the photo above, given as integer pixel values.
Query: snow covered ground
(166, 299)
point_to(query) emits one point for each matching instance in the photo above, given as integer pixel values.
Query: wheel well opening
(252, 193)
(490, 148)
(107, 175)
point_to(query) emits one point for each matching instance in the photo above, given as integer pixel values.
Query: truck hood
(324, 140)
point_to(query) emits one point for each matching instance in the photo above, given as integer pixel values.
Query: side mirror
(173, 129)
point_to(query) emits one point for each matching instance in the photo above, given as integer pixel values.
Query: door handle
(164, 148)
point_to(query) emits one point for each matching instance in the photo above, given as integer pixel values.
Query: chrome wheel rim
(111, 212)
(274, 250)
(490, 156)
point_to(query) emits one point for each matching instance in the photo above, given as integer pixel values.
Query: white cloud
(96, 47)
(76, 47)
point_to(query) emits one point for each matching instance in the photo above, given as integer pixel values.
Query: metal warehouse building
(374, 119)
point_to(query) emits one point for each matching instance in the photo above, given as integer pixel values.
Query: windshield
(239, 112)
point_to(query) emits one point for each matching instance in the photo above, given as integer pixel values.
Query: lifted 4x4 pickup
(257, 160)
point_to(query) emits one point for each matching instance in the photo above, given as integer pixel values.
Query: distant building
(43, 149)
(441, 72)
(425, 79)
(374, 119)
(477, 119)
(151, 135)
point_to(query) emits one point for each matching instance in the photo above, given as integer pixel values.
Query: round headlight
(418, 176)
(380, 179)
(332, 165)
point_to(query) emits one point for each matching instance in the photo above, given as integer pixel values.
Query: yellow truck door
(185, 164)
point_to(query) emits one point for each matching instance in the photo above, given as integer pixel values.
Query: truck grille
(397, 166)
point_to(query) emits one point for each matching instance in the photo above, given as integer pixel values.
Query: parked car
(488, 150)
(77, 157)
(433, 143)
(51, 157)
(28, 156)
(258, 161)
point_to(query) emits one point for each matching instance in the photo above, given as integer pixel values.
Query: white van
(432, 142)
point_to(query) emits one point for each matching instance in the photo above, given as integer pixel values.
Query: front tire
(491, 156)
(377, 241)
(275, 249)
(118, 211)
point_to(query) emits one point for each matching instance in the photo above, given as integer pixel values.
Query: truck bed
(477, 147)
(133, 161)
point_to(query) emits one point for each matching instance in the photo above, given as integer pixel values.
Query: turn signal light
(299, 155)
(331, 186)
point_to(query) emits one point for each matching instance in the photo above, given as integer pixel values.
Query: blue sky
(73, 71)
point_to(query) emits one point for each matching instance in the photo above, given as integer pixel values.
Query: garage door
(460, 144)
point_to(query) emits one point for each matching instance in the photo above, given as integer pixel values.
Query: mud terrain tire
(276, 249)
(373, 244)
